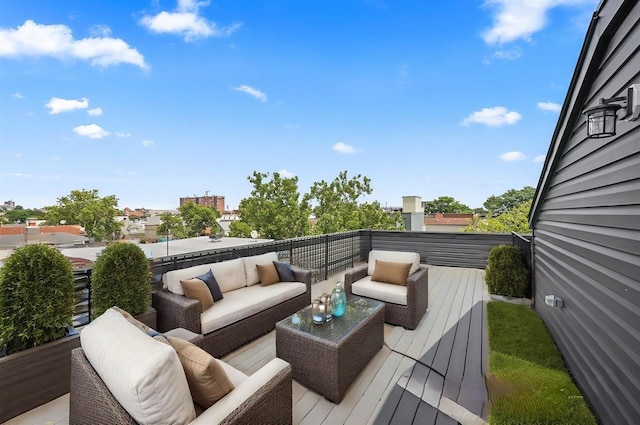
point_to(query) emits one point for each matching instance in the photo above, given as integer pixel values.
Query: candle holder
(318, 311)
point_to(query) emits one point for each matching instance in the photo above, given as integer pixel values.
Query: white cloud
(344, 148)
(539, 158)
(510, 55)
(95, 112)
(92, 131)
(100, 31)
(57, 105)
(493, 117)
(549, 106)
(286, 174)
(122, 135)
(17, 95)
(57, 41)
(520, 19)
(147, 143)
(292, 126)
(253, 92)
(186, 21)
(513, 156)
(18, 175)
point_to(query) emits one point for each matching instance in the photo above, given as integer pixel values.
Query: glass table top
(358, 309)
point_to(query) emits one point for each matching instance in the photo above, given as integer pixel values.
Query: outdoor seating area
(434, 372)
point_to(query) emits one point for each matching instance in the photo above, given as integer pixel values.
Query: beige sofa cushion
(246, 302)
(229, 274)
(143, 374)
(385, 292)
(250, 269)
(395, 257)
(207, 380)
(171, 279)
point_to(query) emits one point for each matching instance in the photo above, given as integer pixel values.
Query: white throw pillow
(143, 374)
(250, 263)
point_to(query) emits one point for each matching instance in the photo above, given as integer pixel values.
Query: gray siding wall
(587, 238)
(442, 249)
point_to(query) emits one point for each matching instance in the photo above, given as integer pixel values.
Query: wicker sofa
(121, 375)
(404, 304)
(247, 311)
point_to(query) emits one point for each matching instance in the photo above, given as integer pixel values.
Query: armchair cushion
(207, 380)
(391, 272)
(394, 256)
(366, 287)
(143, 374)
(196, 289)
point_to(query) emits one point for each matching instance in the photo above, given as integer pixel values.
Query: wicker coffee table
(327, 358)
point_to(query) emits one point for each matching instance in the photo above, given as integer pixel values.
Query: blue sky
(154, 100)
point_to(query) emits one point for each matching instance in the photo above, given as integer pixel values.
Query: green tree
(275, 209)
(171, 225)
(338, 209)
(445, 204)
(86, 208)
(239, 229)
(509, 200)
(197, 218)
(20, 215)
(515, 220)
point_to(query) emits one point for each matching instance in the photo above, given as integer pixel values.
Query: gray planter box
(35, 376)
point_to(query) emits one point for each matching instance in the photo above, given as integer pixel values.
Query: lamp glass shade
(601, 120)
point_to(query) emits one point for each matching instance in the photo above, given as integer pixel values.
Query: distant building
(14, 236)
(214, 201)
(447, 222)
(9, 205)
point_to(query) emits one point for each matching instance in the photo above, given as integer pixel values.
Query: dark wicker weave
(91, 402)
(328, 358)
(407, 316)
(177, 311)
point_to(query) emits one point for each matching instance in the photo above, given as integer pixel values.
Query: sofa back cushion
(250, 263)
(143, 374)
(171, 279)
(394, 257)
(229, 274)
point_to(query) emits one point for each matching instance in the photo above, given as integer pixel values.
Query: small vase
(339, 299)
(328, 306)
(318, 311)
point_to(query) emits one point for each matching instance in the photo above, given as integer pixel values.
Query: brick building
(215, 201)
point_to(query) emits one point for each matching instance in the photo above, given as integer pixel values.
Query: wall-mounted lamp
(601, 119)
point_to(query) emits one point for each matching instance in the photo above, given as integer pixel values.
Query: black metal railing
(326, 255)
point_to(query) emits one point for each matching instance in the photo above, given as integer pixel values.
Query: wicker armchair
(417, 291)
(91, 402)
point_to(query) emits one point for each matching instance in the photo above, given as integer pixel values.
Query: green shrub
(37, 297)
(121, 277)
(506, 273)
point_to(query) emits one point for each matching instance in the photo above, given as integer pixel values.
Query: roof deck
(431, 375)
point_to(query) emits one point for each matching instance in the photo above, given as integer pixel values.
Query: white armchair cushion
(395, 257)
(143, 374)
(229, 274)
(386, 292)
(250, 263)
(226, 405)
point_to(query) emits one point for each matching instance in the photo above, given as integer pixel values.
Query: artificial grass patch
(529, 383)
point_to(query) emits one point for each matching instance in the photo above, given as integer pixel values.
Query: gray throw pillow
(212, 283)
(284, 271)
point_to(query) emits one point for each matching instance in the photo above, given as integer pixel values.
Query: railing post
(89, 299)
(326, 257)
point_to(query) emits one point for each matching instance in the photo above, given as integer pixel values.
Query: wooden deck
(431, 375)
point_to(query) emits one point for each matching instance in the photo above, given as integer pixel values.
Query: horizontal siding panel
(620, 239)
(596, 371)
(622, 171)
(615, 195)
(625, 217)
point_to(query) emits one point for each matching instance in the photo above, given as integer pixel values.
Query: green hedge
(121, 276)
(37, 297)
(506, 273)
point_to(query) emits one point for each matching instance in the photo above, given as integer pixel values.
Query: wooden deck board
(453, 293)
